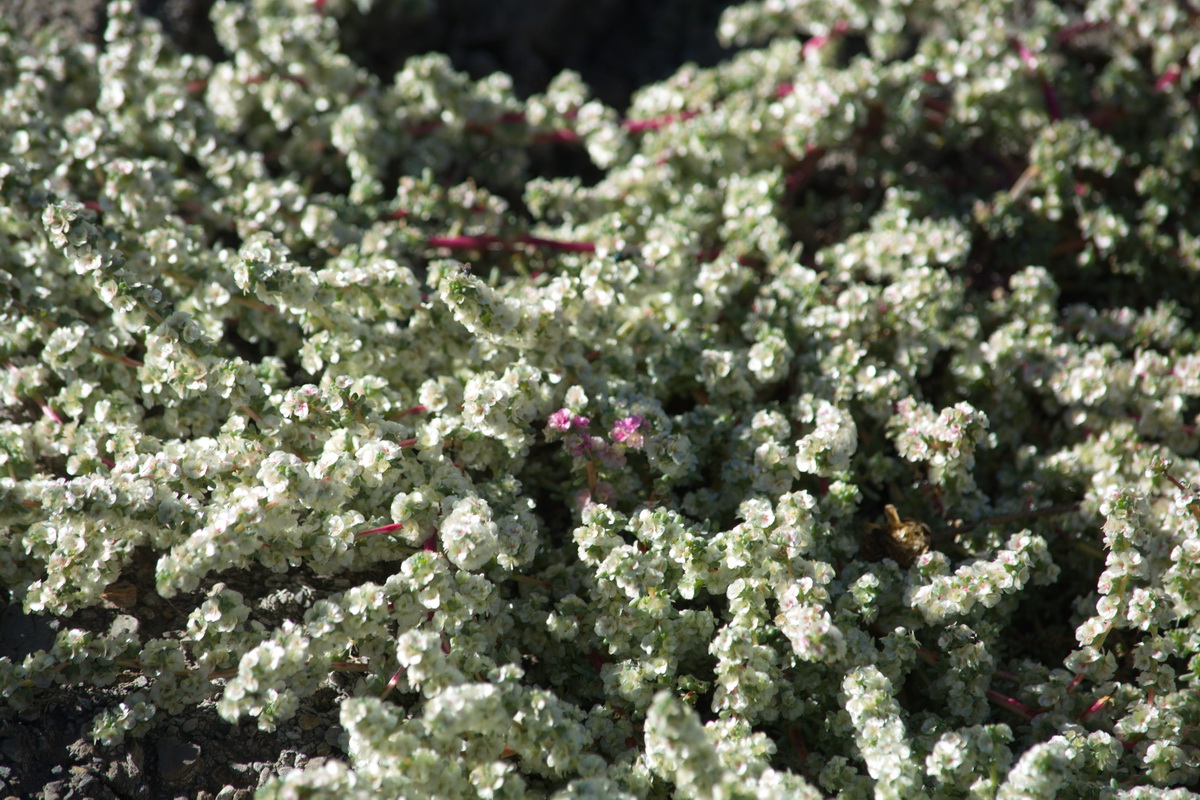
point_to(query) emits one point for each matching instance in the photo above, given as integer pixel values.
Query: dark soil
(46, 751)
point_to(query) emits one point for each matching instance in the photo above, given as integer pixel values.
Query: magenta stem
(1168, 78)
(487, 241)
(381, 529)
(1015, 706)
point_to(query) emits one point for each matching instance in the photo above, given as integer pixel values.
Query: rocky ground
(46, 752)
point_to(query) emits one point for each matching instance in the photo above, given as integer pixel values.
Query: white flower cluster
(947, 441)
(828, 449)
(1025, 558)
(470, 538)
(880, 732)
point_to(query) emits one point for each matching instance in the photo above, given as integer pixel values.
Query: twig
(1001, 519)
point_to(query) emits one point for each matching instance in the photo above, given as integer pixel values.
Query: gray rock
(176, 759)
(22, 634)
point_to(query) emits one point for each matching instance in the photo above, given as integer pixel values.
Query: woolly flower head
(470, 538)
(828, 449)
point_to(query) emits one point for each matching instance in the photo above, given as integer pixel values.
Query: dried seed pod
(903, 541)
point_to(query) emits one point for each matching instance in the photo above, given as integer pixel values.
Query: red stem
(480, 242)
(1168, 78)
(46, 409)
(817, 42)
(381, 529)
(1015, 706)
(488, 241)
(1068, 33)
(391, 684)
(1051, 99)
(1053, 107)
(1094, 707)
(126, 360)
(405, 412)
(558, 244)
(296, 79)
(560, 136)
(655, 123)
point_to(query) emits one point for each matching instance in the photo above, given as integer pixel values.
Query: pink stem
(1094, 707)
(557, 244)
(487, 241)
(1168, 78)
(1068, 33)
(561, 136)
(391, 684)
(296, 79)
(465, 242)
(126, 360)
(252, 414)
(1051, 99)
(1053, 108)
(381, 529)
(817, 42)
(1015, 706)
(46, 409)
(654, 123)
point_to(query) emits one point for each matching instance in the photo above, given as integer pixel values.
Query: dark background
(617, 45)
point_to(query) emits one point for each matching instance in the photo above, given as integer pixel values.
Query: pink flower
(609, 456)
(625, 430)
(605, 493)
(563, 420)
(579, 446)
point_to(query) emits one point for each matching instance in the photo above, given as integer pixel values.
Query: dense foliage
(607, 465)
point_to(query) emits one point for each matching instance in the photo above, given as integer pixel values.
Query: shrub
(838, 439)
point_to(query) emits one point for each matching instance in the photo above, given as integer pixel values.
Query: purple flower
(560, 420)
(563, 420)
(579, 446)
(605, 493)
(609, 456)
(626, 430)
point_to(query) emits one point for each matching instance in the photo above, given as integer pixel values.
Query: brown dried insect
(903, 541)
(121, 594)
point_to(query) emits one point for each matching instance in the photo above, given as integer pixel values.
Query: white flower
(470, 539)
